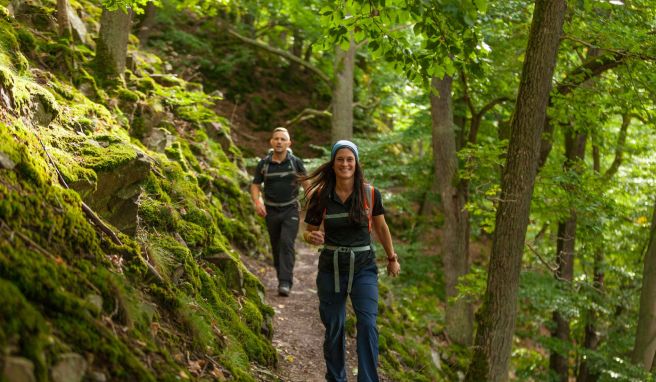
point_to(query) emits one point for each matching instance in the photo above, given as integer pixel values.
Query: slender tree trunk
(112, 43)
(342, 122)
(296, 49)
(63, 22)
(147, 23)
(496, 320)
(455, 242)
(645, 343)
(565, 250)
(592, 338)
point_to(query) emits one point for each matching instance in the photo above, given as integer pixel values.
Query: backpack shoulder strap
(369, 202)
(265, 167)
(292, 161)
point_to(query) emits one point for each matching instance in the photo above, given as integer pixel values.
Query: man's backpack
(267, 161)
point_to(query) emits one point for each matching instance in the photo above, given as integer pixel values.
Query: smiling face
(280, 142)
(344, 164)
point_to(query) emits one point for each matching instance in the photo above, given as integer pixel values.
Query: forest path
(298, 331)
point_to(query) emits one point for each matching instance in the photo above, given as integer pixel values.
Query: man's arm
(256, 192)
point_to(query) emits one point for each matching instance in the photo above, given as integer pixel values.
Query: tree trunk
(147, 23)
(645, 343)
(296, 49)
(496, 320)
(592, 338)
(565, 249)
(455, 242)
(112, 43)
(342, 122)
(63, 22)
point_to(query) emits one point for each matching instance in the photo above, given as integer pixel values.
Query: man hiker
(279, 172)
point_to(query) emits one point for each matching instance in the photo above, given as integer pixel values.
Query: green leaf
(481, 5)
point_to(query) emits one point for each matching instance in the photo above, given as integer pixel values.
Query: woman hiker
(349, 209)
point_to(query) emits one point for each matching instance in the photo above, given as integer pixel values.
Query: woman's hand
(393, 266)
(313, 237)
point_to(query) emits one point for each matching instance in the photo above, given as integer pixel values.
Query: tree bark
(296, 49)
(112, 43)
(147, 23)
(342, 122)
(63, 22)
(455, 242)
(496, 320)
(565, 250)
(645, 343)
(591, 337)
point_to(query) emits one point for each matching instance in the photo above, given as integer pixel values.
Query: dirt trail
(298, 332)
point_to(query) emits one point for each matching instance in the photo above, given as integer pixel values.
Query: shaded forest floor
(298, 331)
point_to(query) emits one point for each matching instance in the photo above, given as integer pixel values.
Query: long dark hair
(322, 182)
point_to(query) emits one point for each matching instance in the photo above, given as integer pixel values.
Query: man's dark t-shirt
(280, 185)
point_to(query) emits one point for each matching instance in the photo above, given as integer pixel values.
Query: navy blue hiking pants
(282, 224)
(332, 308)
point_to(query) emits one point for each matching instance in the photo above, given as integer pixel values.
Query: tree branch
(594, 67)
(477, 117)
(282, 53)
(619, 148)
(308, 114)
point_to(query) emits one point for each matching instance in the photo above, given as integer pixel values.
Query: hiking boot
(284, 289)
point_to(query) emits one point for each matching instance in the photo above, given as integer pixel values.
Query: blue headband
(344, 144)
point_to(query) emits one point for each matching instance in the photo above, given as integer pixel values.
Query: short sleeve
(378, 204)
(259, 177)
(301, 167)
(313, 219)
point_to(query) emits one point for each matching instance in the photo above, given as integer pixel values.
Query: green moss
(146, 84)
(106, 157)
(21, 325)
(128, 95)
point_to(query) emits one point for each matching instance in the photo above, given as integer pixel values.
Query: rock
(34, 13)
(117, 192)
(6, 162)
(70, 367)
(158, 139)
(96, 301)
(96, 376)
(78, 26)
(18, 369)
(44, 108)
(230, 268)
(5, 97)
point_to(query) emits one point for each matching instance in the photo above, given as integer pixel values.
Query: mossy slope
(172, 301)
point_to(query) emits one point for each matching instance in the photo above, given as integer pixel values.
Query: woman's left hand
(393, 267)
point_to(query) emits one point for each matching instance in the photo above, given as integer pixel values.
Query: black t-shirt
(280, 185)
(343, 232)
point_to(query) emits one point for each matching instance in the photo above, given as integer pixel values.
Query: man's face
(280, 142)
